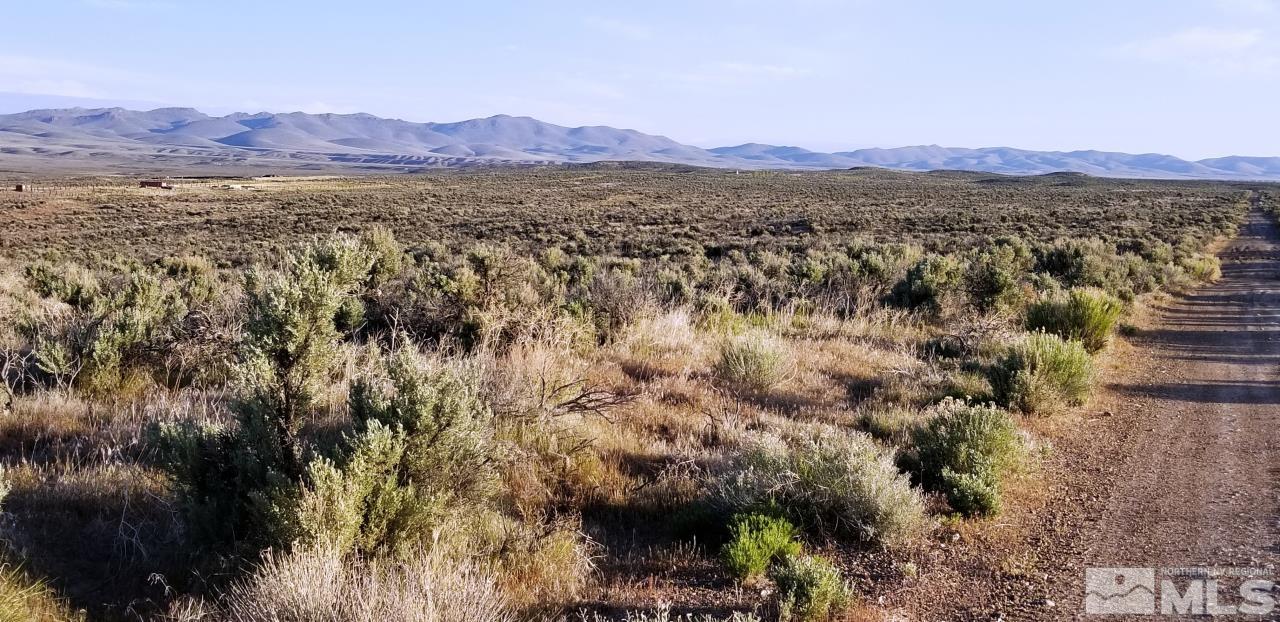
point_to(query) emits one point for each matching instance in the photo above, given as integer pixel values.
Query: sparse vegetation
(544, 393)
(322, 584)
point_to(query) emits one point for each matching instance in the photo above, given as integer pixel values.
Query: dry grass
(318, 585)
(25, 600)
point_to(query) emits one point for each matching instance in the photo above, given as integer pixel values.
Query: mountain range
(102, 140)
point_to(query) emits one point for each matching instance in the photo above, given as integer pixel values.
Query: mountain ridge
(118, 139)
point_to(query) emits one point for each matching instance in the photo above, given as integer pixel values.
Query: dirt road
(1202, 485)
(1196, 430)
(1175, 464)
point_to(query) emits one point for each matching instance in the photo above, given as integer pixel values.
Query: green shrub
(67, 282)
(1041, 373)
(422, 449)
(1203, 268)
(810, 589)
(755, 542)
(196, 274)
(835, 482)
(929, 284)
(387, 256)
(972, 493)
(114, 323)
(135, 312)
(422, 441)
(1078, 262)
(754, 361)
(1085, 315)
(965, 451)
(241, 483)
(994, 275)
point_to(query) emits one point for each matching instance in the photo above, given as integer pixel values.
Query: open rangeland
(624, 390)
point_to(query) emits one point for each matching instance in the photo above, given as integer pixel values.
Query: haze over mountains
(117, 140)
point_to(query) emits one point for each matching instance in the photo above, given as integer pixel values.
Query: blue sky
(1194, 78)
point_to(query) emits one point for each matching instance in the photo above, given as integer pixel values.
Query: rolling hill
(120, 140)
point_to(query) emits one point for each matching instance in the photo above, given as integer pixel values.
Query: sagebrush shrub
(386, 254)
(1085, 315)
(197, 276)
(135, 312)
(972, 493)
(755, 542)
(836, 482)
(421, 447)
(67, 282)
(111, 325)
(242, 482)
(754, 361)
(965, 451)
(994, 275)
(1079, 262)
(930, 284)
(616, 298)
(810, 589)
(1041, 372)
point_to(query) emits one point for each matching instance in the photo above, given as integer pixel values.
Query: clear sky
(1193, 78)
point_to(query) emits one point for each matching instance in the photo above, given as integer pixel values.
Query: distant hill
(116, 139)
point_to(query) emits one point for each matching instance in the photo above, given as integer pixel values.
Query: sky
(1191, 78)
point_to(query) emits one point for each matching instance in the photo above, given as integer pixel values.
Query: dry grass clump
(893, 424)
(319, 584)
(665, 345)
(25, 600)
(538, 562)
(755, 362)
(662, 614)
